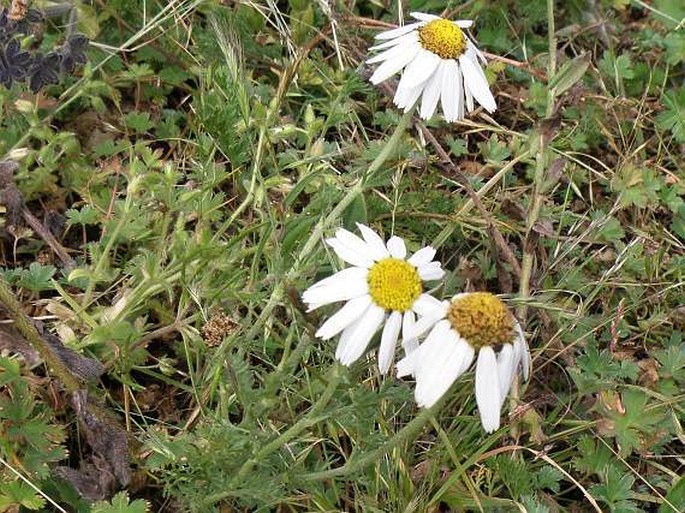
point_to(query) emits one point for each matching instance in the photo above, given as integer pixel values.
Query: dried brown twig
(500, 244)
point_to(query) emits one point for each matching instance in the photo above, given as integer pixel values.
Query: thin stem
(540, 169)
(541, 163)
(552, 43)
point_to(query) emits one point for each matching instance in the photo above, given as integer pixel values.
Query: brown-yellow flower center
(394, 284)
(482, 319)
(443, 38)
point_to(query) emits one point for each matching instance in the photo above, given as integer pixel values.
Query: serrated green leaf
(548, 477)
(18, 493)
(86, 215)
(120, 504)
(673, 116)
(139, 122)
(37, 277)
(616, 490)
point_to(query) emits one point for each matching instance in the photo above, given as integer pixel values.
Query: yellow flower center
(394, 284)
(443, 38)
(481, 319)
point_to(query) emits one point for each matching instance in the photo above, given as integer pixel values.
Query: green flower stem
(28, 330)
(540, 169)
(541, 163)
(313, 416)
(355, 465)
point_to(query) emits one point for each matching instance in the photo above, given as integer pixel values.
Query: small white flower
(475, 322)
(439, 61)
(383, 286)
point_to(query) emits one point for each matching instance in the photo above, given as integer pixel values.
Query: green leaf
(570, 73)
(638, 422)
(668, 12)
(675, 47)
(120, 504)
(548, 477)
(673, 116)
(616, 491)
(638, 186)
(86, 215)
(515, 475)
(532, 505)
(676, 498)
(672, 362)
(37, 277)
(139, 122)
(494, 151)
(457, 146)
(594, 457)
(610, 228)
(18, 493)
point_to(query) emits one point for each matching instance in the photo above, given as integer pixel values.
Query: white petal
(431, 271)
(450, 90)
(397, 32)
(447, 364)
(356, 338)
(406, 98)
(467, 351)
(394, 52)
(389, 341)
(463, 23)
(487, 389)
(392, 66)
(428, 305)
(475, 82)
(350, 273)
(424, 324)
(377, 249)
(521, 347)
(427, 322)
(471, 47)
(348, 254)
(407, 38)
(468, 97)
(506, 365)
(409, 342)
(420, 69)
(405, 367)
(431, 93)
(422, 16)
(460, 95)
(342, 286)
(349, 313)
(432, 347)
(352, 242)
(397, 248)
(422, 256)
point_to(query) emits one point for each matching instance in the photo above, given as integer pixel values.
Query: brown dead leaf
(649, 374)
(609, 400)
(106, 439)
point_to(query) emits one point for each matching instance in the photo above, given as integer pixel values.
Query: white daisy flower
(471, 323)
(439, 61)
(382, 287)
